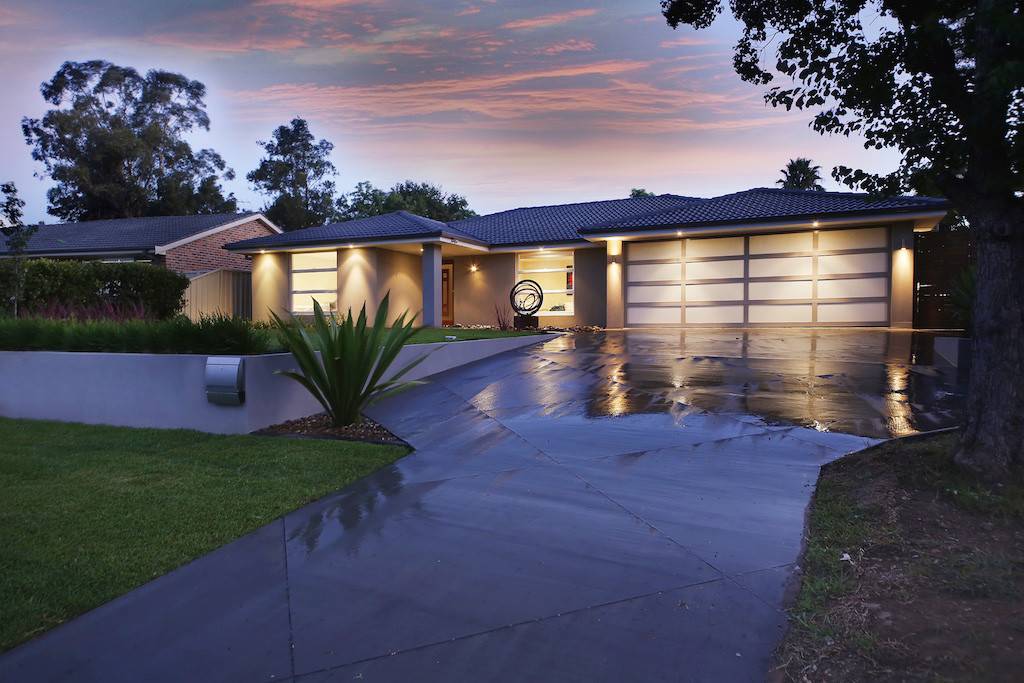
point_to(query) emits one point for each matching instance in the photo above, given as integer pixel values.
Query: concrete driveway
(624, 506)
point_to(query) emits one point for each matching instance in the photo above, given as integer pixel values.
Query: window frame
(292, 270)
(524, 273)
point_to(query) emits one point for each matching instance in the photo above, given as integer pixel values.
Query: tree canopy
(942, 83)
(637, 192)
(423, 199)
(114, 144)
(800, 174)
(296, 173)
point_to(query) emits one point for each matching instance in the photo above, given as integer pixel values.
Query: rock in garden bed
(319, 426)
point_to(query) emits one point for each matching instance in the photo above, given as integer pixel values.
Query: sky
(510, 104)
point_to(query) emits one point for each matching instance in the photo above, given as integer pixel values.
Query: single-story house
(185, 244)
(192, 245)
(763, 256)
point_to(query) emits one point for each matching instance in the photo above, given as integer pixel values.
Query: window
(553, 271)
(314, 278)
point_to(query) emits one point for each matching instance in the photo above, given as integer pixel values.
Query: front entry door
(447, 294)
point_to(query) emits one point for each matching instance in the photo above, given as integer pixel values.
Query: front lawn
(89, 512)
(429, 335)
(912, 571)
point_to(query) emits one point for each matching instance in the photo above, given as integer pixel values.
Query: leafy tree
(638, 192)
(943, 83)
(799, 174)
(114, 144)
(16, 237)
(422, 199)
(296, 173)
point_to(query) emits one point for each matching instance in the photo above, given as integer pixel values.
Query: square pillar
(431, 285)
(614, 286)
(901, 285)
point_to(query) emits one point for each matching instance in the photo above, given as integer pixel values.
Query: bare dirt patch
(912, 571)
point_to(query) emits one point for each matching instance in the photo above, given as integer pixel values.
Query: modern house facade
(761, 257)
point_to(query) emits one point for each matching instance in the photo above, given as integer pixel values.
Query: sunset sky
(510, 104)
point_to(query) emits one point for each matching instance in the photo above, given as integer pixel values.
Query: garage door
(828, 277)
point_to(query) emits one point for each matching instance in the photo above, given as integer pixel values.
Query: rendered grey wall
(476, 293)
(168, 391)
(590, 283)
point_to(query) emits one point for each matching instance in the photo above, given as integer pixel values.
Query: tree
(114, 144)
(16, 236)
(422, 199)
(799, 174)
(638, 192)
(943, 83)
(296, 172)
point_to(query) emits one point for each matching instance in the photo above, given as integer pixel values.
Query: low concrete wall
(169, 391)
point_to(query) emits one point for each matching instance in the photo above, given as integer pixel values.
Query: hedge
(210, 335)
(158, 292)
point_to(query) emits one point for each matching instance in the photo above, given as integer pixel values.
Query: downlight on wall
(473, 267)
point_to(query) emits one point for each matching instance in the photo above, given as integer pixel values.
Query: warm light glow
(350, 246)
(814, 224)
(615, 247)
(473, 268)
(679, 233)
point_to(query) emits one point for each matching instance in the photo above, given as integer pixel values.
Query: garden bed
(319, 426)
(912, 571)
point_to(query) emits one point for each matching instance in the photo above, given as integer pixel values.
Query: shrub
(210, 335)
(159, 292)
(342, 363)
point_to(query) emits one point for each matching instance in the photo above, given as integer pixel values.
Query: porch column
(615, 307)
(901, 292)
(431, 285)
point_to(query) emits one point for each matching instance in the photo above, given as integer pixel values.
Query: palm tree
(799, 174)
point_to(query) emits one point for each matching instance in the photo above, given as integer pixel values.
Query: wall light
(473, 268)
(679, 233)
(814, 224)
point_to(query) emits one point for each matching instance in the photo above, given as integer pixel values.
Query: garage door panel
(785, 289)
(714, 270)
(780, 313)
(655, 251)
(868, 312)
(853, 288)
(781, 244)
(726, 291)
(859, 238)
(714, 315)
(654, 272)
(781, 267)
(659, 294)
(720, 246)
(846, 264)
(651, 315)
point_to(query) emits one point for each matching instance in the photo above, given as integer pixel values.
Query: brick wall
(207, 253)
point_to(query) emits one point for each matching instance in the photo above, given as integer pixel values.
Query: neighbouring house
(760, 257)
(191, 245)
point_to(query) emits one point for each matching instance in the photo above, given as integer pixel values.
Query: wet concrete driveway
(625, 506)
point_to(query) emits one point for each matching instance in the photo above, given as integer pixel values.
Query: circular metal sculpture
(526, 297)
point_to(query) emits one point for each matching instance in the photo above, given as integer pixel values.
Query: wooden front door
(447, 294)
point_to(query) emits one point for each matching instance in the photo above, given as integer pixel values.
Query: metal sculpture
(526, 297)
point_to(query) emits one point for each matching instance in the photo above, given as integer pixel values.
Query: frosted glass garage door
(827, 277)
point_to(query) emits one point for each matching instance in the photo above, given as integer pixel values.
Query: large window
(553, 271)
(314, 278)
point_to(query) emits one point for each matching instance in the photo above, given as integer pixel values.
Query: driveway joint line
(288, 596)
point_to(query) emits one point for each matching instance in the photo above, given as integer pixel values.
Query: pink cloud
(548, 19)
(472, 9)
(683, 41)
(571, 45)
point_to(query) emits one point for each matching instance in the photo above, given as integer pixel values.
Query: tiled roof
(121, 234)
(561, 222)
(768, 203)
(395, 225)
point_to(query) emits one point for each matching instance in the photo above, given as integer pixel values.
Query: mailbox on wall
(225, 380)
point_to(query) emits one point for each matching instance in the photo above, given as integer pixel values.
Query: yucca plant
(347, 375)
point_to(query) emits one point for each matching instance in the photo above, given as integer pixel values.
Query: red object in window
(568, 281)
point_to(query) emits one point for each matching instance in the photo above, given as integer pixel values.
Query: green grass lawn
(428, 335)
(89, 512)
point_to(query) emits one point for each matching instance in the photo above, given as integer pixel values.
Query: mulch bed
(319, 427)
(928, 586)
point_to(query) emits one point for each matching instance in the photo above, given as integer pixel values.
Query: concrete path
(599, 508)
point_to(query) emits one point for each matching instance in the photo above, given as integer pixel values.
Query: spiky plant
(348, 373)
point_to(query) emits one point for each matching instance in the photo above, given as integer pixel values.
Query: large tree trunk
(993, 440)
